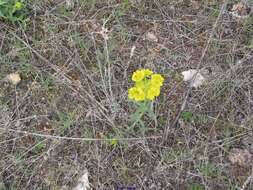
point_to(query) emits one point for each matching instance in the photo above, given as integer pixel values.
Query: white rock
(195, 78)
(83, 182)
(151, 37)
(13, 78)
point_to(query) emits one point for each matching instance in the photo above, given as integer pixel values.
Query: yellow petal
(138, 75)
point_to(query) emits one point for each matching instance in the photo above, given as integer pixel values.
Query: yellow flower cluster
(147, 85)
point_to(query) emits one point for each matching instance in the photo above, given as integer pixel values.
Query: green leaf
(209, 169)
(134, 117)
(1, 14)
(2, 2)
(143, 107)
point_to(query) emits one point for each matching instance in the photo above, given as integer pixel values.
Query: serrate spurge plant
(146, 88)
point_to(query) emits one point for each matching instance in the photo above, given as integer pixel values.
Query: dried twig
(77, 138)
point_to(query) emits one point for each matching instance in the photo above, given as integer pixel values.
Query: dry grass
(73, 96)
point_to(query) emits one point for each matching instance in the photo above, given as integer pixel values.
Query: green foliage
(195, 186)
(215, 13)
(142, 109)
(40, 146)
(112, 141)
(26, 69)
(187, 116)
(3, 104)
(66, 120)
(121, 168)
(201, 119)
(174, 154)
(126, 4)
(13, 10)
(208, 169)
(47, 82)
(64, 11)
